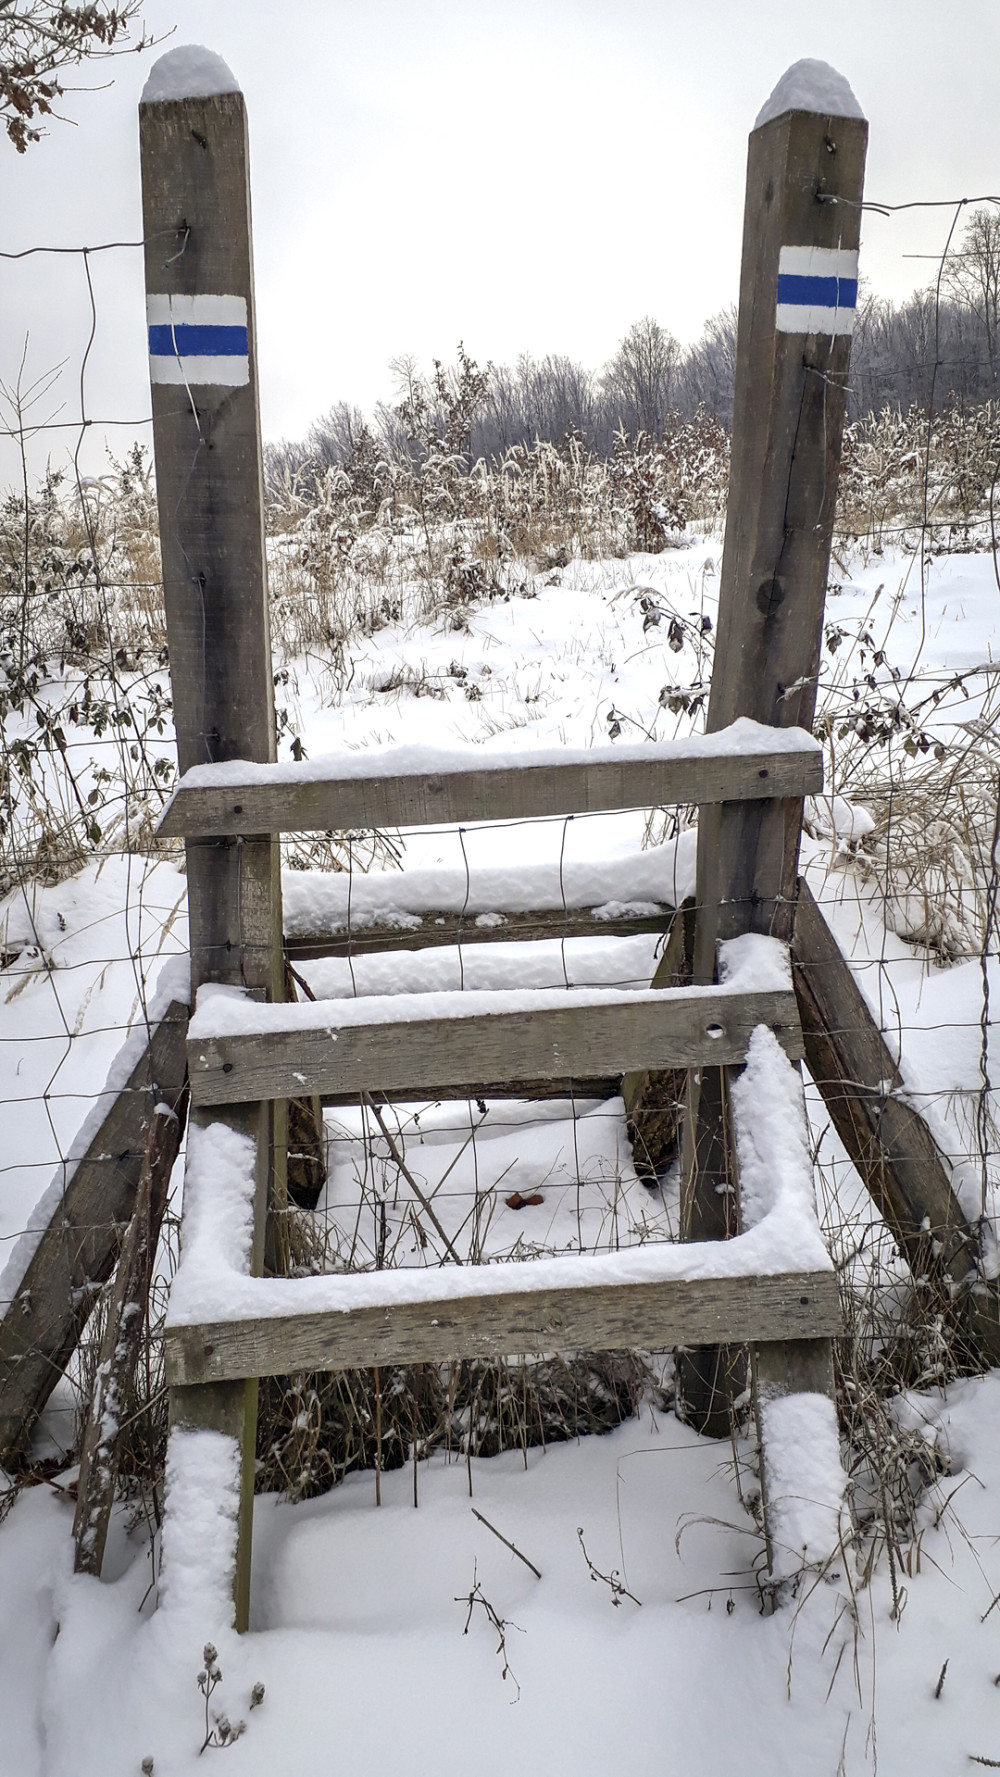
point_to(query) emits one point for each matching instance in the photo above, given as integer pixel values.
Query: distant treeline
(935, 351)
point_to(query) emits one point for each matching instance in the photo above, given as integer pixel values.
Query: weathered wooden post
(206, 435)
(798, 293)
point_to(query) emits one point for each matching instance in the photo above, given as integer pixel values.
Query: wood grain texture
(686, 1029)
(651, 1316)
(449, 928)
(789, 395)
(654, 1098)
(125, 1328)
(209, 483)
(229, 1408)
(194, 156)
(787, 429)
(600, 1086)
(78, 1250)
(524, 792)
(887, 1140)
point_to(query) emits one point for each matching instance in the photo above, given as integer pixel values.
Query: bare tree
(972, 276)
(639, 381)
(708, 367)
(39, 42)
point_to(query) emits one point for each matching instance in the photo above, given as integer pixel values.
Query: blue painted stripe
(191, 340)
(824, 293)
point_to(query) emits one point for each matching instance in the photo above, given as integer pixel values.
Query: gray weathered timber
(125, 1327)
(206, 438)
(787, 428)
(887, 1140)
(795, 1366)
(687, 1029)
(524, 792)
(78, 1250)
(230, 1408)
(654, 1099)
(560, 1086)
(450, 928)
(196, 224)
(605, 1318)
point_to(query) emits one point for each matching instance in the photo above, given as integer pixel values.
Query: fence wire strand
(339, 578)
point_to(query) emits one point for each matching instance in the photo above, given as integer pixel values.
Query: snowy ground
(347, 1615)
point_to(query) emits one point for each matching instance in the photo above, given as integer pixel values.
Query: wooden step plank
(432, 930)
(251, 1051)
(284, 798)
(608, 1317)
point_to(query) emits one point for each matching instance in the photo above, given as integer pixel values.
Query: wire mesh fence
(546, 593)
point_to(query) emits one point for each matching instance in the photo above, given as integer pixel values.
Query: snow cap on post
(188, 72)
(808, 86)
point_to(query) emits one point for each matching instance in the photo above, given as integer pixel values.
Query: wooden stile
(789, 410)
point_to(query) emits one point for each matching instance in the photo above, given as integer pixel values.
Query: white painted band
(795, 317)
(196, 311)
(230, 373)
(817, 262)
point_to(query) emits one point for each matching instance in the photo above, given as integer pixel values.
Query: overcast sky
(519, 174)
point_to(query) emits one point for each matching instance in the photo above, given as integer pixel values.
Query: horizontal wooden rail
(212, 802)
(275, 1052)
(431, 930)
(598, 1086)
(608, 1317)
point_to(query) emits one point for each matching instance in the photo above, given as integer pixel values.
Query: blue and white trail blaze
(817, 290)
(198, 339)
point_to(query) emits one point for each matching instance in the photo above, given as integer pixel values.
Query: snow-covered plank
(352, 913)
(609, 1317)
(803, 1481)
(606, 887)
(416, 786)
(775, 1281)
(240, 1050)
(444, 928)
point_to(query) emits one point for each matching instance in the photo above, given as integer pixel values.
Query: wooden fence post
(206, 435)
(798, 291)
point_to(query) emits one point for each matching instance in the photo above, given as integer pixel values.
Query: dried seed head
(256, 1695)
(147, 1767)
(209, 1654)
